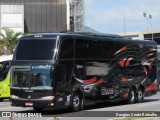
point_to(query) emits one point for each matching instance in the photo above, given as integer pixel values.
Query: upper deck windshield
(36, 49)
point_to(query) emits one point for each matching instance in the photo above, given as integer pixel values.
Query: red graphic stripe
(152, 59)
(124, 79)
(126, 95)
(121, 63)
(149, 55)
(145, 70)
(152, 87)
(127, 63)
(99, 82)
(151, 49)
(150, 66)
(123, 49)
(90, 81)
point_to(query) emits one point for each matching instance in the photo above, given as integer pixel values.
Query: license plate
(107, 91)
(29, 104)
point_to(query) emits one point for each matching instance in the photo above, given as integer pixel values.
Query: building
(34, 16)
(143, 35)
(37, 16)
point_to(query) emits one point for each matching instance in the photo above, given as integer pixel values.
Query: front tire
(76, 103)
(1, 99)
(132, 96)
(140, 96)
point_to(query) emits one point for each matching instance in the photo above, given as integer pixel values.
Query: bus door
(65, 68)
(59, 85)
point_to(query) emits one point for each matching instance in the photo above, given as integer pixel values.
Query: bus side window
(81, 48)
(107, 49)
(67, 49)
(95, 49)
(4, 70)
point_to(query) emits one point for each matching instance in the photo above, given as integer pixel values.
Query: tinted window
(36, 49)
(95, 50)
(82, 47)
(121, 43)
(67, 49)
(107, 48)
(5, 67)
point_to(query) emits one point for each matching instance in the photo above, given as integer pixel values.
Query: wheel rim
(132, 96)
(140, 95)
(76, 101)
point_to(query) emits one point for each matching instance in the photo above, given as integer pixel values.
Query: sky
(119, 16)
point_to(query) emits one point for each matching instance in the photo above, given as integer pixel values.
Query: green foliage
(8, 40)
(1, 48)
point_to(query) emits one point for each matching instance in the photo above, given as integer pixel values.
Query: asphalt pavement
(147, 110)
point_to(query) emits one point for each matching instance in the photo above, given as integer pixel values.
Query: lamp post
(148, 16)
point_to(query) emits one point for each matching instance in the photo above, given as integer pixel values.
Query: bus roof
(85, 34)
(44, 35)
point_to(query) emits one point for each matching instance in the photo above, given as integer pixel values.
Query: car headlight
(14, 97)
(48, 98)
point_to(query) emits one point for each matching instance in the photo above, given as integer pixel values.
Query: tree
(1, 49)
(9, 39)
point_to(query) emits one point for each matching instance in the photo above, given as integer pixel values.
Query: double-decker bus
(65, 70)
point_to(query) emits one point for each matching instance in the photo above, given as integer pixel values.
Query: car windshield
(36, 49)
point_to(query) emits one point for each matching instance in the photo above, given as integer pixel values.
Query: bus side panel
(5, 87)
(137, 67)
(152, 83)
(107, 68)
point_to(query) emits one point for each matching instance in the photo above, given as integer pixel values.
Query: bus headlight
(48, 98)
(14, 97)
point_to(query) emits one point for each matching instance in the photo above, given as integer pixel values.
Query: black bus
(65, 70)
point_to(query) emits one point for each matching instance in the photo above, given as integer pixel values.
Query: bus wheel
(76, 103)
(140, 96)
(38, 109)
(132, 96)
(1, 99)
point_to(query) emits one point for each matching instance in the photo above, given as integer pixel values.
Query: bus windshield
(38, 77)
(36, 49)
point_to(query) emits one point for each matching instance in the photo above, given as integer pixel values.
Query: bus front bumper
(32, 103)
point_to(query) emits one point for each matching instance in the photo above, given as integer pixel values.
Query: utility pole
(124, 22)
